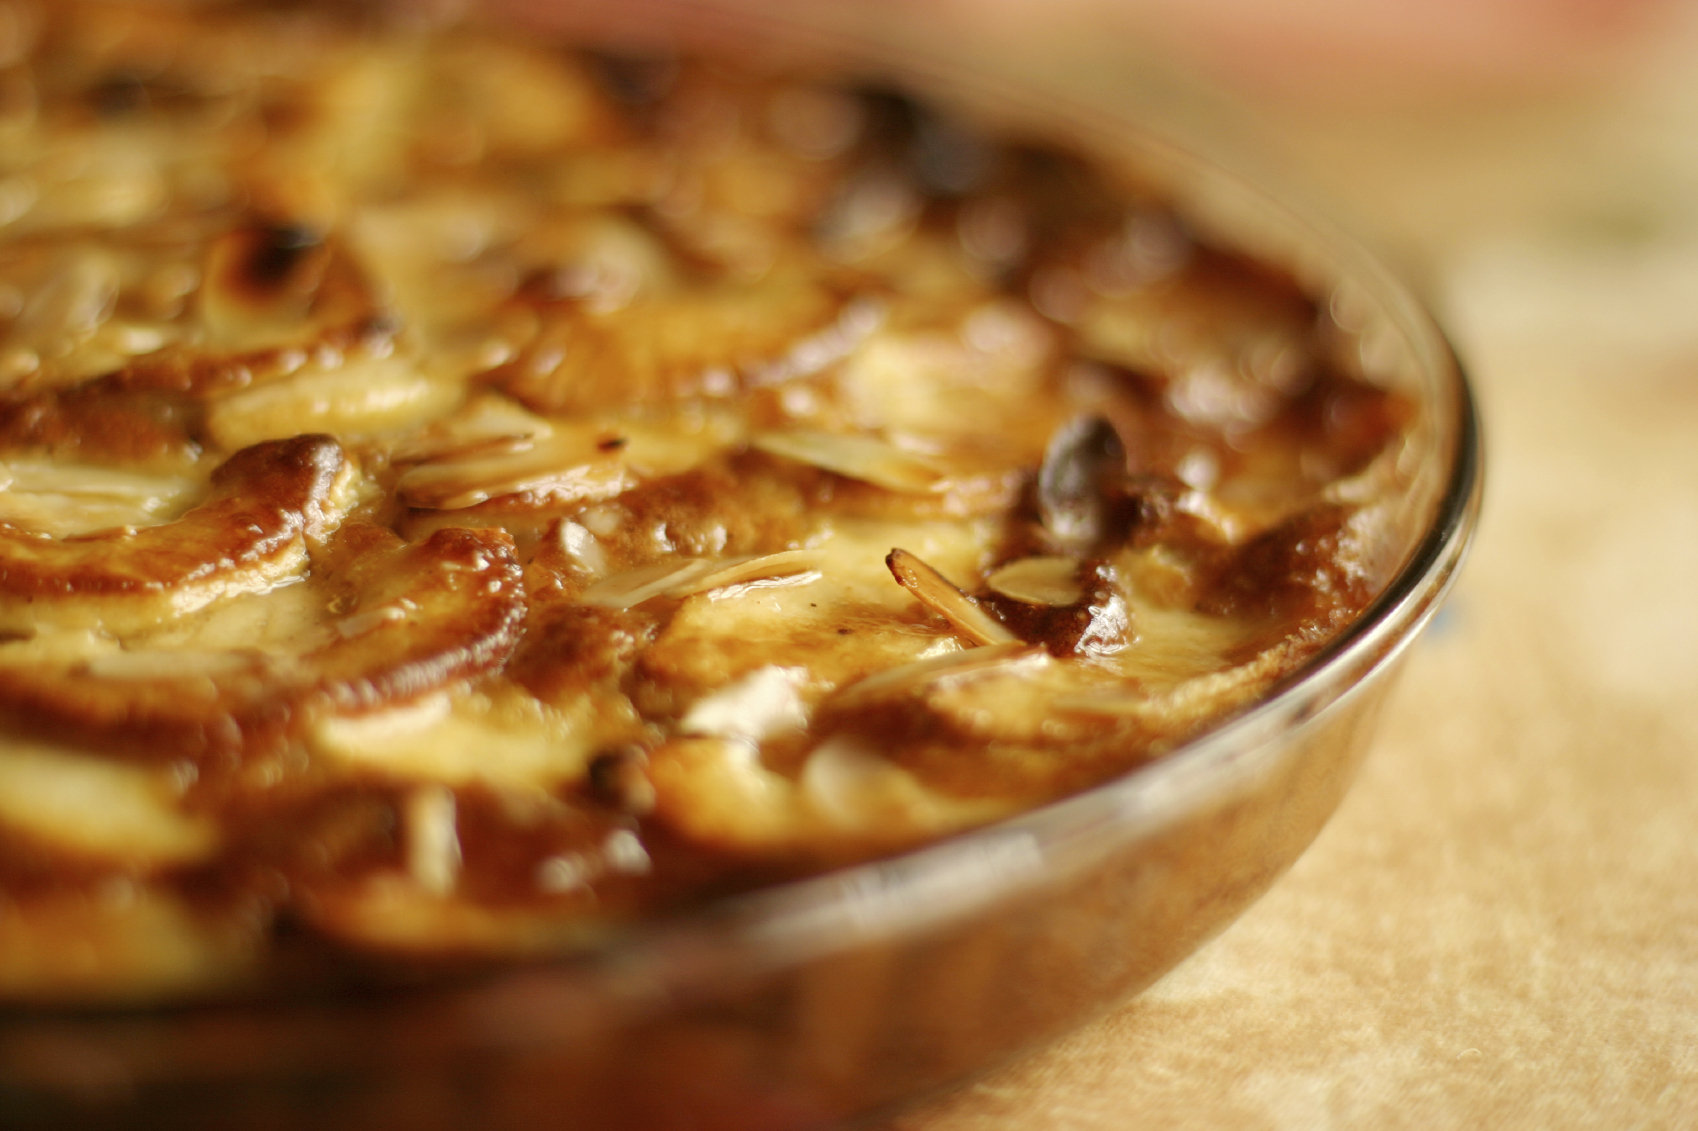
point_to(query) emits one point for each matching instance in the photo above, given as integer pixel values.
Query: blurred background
(1500, 928)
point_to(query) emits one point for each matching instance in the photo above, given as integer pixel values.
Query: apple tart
(463, 496)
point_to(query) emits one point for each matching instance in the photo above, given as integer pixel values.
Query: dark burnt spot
(892, 116)
(277, 253)
(619, 778)
(347, 829)
(631, 79)
(1097, 623)
(129, 92)
(515, 852)
(555, 284)
(1147, 509)
(741, 505)
(573, 647)
(1348, 420)
(119, 96)
(1264, 286)
(1301, 569)
(88, 424)
(945, 157)
(268, 270)
(1067, 200)
(638, 86)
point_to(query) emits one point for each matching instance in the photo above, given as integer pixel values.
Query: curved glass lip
(946, 879)
(906, 894)
(979, 867)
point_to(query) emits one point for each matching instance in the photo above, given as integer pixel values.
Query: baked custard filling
(461, 496)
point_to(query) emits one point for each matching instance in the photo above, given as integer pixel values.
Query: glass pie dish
(815, 1001)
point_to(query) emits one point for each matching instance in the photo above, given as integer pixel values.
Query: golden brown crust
(415, 619)
(717, 343)
(449, 608)
(266, 503)
(200, 373)
(458, 495)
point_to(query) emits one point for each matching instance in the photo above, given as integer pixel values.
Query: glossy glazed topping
(462, 497)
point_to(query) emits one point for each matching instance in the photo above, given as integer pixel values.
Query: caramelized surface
(460, 500)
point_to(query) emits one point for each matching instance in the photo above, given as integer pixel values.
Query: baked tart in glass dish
(686, 592)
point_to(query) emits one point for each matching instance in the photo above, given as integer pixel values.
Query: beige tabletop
(1500, 927)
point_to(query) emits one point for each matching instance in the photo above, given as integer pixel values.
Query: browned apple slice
(426, 615)
(267, 502)
(403, 620)
(709, 342)
(203, 372)
(846, 800)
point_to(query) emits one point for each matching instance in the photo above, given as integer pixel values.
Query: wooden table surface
(1500, 927)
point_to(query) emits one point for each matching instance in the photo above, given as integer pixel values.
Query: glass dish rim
(898, 895)
(858, 903)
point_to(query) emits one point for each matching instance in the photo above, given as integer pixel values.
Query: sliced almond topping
(64, 500)
(566, 461)
(935, 591)
(1039, 581)
(634, 586)
(738, 571)
(582, 548)
(867, 458)
(683, 577)
(557, 466)
(487, 425)
(920, 674)
(359, 397)
(433, 840)
(70, 303)
(370, 620)
(1187, 702)
(150, 664)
